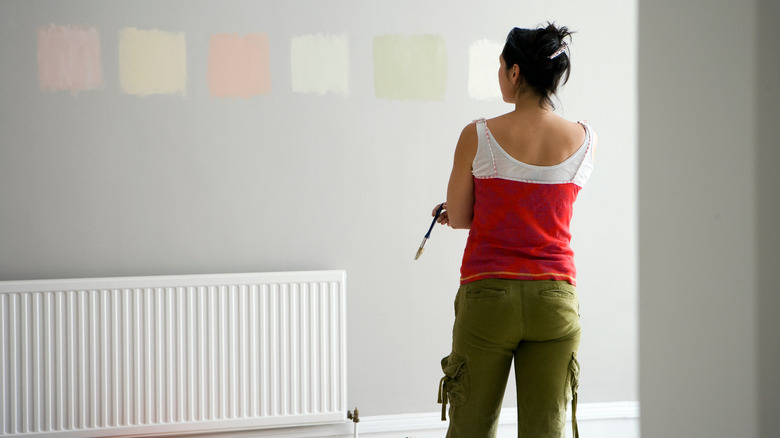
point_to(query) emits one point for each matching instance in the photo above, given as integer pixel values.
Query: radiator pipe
(355, 420)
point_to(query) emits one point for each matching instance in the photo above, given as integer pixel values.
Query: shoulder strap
(485, 134)
(586, 165)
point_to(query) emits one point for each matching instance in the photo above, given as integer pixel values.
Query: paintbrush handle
(436, 216)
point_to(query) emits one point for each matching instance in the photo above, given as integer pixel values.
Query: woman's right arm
(460, 190)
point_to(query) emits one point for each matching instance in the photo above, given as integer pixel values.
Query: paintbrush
(428, 234)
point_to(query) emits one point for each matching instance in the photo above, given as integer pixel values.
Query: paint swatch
(152, 62)
(69, 58)
(410, 67)
(320, 64)
(239, 66)
(483, 68)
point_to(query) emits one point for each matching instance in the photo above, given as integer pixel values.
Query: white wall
(107, 184)
(708, 218)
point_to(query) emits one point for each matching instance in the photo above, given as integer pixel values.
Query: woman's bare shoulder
(500, 120)
(470, 129)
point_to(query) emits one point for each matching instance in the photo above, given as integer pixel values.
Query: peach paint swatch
(320, 64)
(152, 62)
(69, 58)
(239, 66)
(483, 70)
(410, 67)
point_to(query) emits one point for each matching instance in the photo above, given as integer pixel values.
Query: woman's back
(537, 138)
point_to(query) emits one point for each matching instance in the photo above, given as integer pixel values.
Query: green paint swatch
(410, 67)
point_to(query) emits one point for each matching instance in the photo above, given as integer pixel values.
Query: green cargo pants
(533, 323)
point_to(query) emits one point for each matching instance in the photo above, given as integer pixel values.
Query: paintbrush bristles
(422, 247)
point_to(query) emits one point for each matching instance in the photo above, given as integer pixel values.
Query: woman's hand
(443, 216)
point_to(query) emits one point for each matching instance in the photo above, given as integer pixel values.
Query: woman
(513, 184)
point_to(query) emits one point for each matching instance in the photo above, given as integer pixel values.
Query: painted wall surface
(207, 173)
(709, 245)
(768, 210)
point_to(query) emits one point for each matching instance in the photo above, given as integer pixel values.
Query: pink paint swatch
(239, 66)
(69, 58)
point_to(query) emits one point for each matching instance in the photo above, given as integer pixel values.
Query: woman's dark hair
(531, 49)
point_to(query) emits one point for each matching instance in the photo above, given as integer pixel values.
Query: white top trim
(492, 161)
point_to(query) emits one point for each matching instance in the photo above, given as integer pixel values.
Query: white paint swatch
(483, 69)
(320, 64)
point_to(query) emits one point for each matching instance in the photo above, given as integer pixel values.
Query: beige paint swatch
(410, 67)
(238, 66)
(320, 64)
(483, 70)
(69, 58)
(152, 62)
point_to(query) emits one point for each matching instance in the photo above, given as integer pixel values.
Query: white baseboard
(595, 420)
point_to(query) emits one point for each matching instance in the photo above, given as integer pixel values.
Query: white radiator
(169, 355)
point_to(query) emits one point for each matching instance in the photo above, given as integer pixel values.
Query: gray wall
(768, 212)
(709, 246)
(102, 183)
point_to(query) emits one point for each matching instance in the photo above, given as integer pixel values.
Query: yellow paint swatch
(410, 67)
(152, 62)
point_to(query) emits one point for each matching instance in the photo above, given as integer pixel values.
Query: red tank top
(522, 213)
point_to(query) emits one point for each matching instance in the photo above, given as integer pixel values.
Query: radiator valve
(353, 416)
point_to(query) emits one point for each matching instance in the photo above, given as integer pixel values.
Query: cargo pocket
(453, 386)
(572, 386)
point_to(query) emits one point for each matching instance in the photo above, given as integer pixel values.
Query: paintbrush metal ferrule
(421, 249)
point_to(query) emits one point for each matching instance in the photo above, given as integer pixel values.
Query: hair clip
(558, 52)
